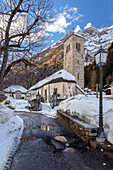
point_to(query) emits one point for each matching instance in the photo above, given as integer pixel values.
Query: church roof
(75, 34)
(15, 88)
(59, 76)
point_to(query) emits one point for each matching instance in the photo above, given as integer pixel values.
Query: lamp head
(101, 56)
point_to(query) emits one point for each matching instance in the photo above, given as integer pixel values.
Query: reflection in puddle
(46, 127)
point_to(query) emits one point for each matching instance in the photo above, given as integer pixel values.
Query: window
(45, 94)
(78, 76)
(55, 91)
(68, 48)
(78, 46)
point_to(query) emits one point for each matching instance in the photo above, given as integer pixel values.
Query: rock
(69, 150)
(58, 145)
(2, 96)
(61, 138)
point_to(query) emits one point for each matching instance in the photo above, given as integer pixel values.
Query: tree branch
(25, 61)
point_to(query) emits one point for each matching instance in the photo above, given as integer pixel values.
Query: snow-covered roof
(76, 34)
(15, 88)
(59, 75)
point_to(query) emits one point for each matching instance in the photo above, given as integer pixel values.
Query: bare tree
(22, 30)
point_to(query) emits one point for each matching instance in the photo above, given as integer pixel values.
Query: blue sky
(79, 14)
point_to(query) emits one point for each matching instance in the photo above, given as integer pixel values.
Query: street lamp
(101, 57)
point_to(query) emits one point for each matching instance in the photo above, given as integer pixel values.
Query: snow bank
(45, 106)
(51, 113)
(47, 110)
(5, 113)
(87, 109)
(18, 104)
(11, 128)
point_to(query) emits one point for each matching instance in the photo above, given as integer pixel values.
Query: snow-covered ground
(17, 104)
(11, 128)
(20, 105)
(87, 109)
(11, 125)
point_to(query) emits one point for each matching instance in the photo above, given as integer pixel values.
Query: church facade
(69, 81)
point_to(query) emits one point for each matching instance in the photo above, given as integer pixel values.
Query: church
(70, 80)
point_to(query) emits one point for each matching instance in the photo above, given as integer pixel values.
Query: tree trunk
(0, 86)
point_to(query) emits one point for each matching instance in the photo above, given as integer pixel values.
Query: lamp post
(101, 57)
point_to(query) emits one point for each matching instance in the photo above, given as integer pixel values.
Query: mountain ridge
(95, 37)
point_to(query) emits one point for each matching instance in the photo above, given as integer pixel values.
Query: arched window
(68, 48)
(78, 46)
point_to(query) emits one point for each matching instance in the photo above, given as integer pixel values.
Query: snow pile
(18, 104)
(47, 110)
(45, 106)
(87, 109)
(51, 113)
(15, 88)
(5, 113)
(11, 128)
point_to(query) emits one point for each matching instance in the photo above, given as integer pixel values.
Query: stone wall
(73, 58)
(111, 91)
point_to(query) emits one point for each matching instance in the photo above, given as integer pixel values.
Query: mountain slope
(92, 36)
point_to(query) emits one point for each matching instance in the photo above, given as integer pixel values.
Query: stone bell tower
(74, 57)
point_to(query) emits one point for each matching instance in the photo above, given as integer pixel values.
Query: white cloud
(73, 9)
(59, 25)
(66, 6)
(77, 29)
(52, 41)
(64, 13)
(69, 16)
(88, 26)
(65, 18)
(77, 17)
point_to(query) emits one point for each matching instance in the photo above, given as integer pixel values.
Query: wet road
(39, 150)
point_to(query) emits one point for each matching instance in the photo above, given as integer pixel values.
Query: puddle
(46, 127)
